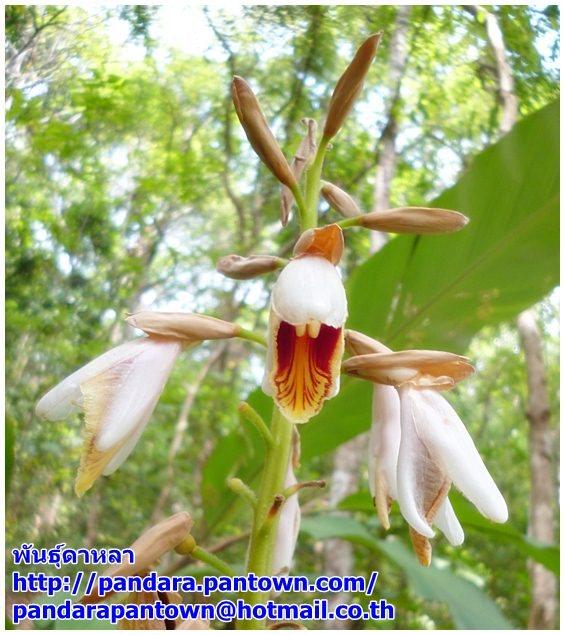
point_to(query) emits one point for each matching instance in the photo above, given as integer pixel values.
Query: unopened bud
(360, 344)
(434, 369)
(245, 268)
(302, 158)
(149, 548)
(194, 625)
(258, 132)
(340, 200)
(326, 242)
(349, 86)
(189, 327)
(414, 220)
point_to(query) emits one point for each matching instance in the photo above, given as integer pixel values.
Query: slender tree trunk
(386, 165)
(542, 515)
(543, 610)
(338, 554)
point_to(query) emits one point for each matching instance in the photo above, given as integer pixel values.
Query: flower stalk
(263, 532)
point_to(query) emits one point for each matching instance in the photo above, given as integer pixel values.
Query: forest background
(128, 176)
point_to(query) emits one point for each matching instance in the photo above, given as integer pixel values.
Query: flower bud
(259, 133)
(194, 625)
(148, 548)
(360, 344)
(414, 220)
(437, 369)
(323, 241)
(302, 158)
(349, 86)
(340, 200)
(245, 268)
(189, 327)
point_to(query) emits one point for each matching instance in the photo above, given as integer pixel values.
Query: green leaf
(438, 291)
(469, 606)
(547, 555)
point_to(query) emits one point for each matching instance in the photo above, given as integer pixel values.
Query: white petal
(310, 288)
(273, 325)
(384, 440)
(135, 384)
(413, 460)
(446, 521)
(66, 398)
(287, 530)
(127, 448)
(448, 441)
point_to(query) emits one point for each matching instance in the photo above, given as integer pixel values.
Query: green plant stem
(300, 203)
(251, 336)
(209, 558)
(348, 222)
(313, 178)
(247, 413)
(263, 532)
(241, 489)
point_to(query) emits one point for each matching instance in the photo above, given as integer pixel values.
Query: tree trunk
(543, 610)
(338, 554)
(542, 521)
(386, 165)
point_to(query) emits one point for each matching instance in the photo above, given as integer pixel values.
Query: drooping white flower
(287, 530)
(419, 447)
(437, 449)
(384, 448)
(308, 311)
(118, 392)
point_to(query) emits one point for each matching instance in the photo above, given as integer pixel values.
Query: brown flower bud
(146, 624)
(360, 344)
(340, 200)
(258, 132)
(194, 625)
(148, 548)
(303, 157)
(414, 220)
(434, 369)
(349, 85)
(245, 268)
(189, 327)
(323, 241)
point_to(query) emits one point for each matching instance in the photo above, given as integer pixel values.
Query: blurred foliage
(127, 176)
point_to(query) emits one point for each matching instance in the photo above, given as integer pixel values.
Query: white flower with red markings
(308, 311)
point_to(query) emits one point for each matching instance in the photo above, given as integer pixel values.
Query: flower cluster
(419, 447)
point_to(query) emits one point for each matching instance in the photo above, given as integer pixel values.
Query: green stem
(247, 413)
(263, 532)
(209, 558)
(251, 336)
(313, 178)
(241, 489)
(348, 222)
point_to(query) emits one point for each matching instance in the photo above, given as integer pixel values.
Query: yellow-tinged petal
(118, 402)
